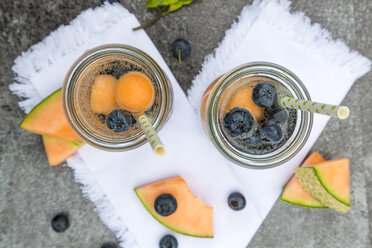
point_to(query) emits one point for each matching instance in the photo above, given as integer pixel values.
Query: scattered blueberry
(276, 114)
(238, 122)
(60, 223)
(109, 245)
(119, 121)
(165, 204)
(254, 140)
(264, 94)
(181, 48)
(271, 132)
(168, 241)
(236, 201)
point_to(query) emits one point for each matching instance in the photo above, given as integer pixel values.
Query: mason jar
(77, 87)
(212, 109)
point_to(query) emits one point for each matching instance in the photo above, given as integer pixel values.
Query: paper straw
(340, 112)
(151, 135)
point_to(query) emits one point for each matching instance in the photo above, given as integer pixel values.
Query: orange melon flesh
(243, 98)
(48, 118)
(135, 92)
(294, 193)
(58, 150)
(102, 97)
(334, 175)
(192, 216)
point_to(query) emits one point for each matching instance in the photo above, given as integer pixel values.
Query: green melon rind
(75, 144)
(300, 203)
(324, 184)
(164, 224)
(311, 184)
(36, 109)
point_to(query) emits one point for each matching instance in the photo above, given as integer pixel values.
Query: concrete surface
(31, 192)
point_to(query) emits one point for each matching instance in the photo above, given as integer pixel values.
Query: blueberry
(236, 201)
(119, 121)
(109, 245)
(181, 48)
(271, 132)
(276, 114)
(238, 122)
(254, 140)
(264, 94)
(168, 241)
(165, 204)
(60, 223)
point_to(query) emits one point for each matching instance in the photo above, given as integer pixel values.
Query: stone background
(31, 192)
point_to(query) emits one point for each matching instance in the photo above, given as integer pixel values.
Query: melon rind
(312, 185)
(303, 198)
(60, 128)
(167, 186)
(318, 171)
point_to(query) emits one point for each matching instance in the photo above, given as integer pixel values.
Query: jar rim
(87, 59)
(293, 145)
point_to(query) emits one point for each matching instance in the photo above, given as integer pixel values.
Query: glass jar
(211, 109)
(76, 93)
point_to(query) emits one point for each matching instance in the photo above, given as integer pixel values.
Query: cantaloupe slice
(243, 98)
(294, 193)
(135, 92)
(48, 118)
(334, 175)
(102, 96)
(335, 182)
(58, 150)
(192, 217)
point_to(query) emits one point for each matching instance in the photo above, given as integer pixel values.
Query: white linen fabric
(265, 31)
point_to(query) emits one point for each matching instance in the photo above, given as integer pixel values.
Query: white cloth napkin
(109, 178)
(267, 31)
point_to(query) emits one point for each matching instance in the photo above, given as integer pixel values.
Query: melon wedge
(48, 118)
(311, 183)
(58, 150)
(192, 217)
(334, 176)
(294, 193)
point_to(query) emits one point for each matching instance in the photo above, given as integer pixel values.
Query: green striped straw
(151, 135)
(340, 112)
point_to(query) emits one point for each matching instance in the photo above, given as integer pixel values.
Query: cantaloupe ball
(102, 97)
(243, 98)
(135, 92)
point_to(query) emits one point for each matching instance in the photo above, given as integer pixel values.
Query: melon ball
(102, 96)
(135, 92)
(243, 98)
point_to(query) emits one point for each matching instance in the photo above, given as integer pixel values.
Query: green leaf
(158, 3)
(165, 6)
(172, 4)
(178, 4)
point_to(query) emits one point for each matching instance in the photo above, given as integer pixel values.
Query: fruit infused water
(251, 121)
(106, 83)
